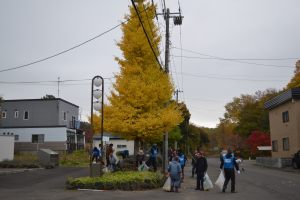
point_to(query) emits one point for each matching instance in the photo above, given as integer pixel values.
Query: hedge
(128, 180)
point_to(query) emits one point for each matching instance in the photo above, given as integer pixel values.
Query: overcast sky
(211, 31)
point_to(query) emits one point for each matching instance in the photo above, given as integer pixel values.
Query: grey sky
(35, 29)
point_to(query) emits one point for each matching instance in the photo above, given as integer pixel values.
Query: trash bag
(220, 181)
(207, 184)
(167, 185)
(143, 167)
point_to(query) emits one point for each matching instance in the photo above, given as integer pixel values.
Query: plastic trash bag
(207, 184)
(167, 185)
(220, 181)
(143, 167)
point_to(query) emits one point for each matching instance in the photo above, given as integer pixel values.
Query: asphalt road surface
(256, 183)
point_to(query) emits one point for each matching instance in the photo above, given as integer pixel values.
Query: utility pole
(177, 21)
(176, 94)
(167, 50)
(58, 81)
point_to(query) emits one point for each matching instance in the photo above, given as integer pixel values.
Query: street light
(97, 100)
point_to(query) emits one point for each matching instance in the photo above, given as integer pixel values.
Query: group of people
(152, 161)
(97, 156)
(177, 162)
(199, 167)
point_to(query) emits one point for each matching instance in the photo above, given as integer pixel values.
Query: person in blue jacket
(182, 161)
(174, 170)
(228, 161)
(153, 157)
(95, 154)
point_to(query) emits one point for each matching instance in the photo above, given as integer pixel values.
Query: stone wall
(274, 162)
(33, 147)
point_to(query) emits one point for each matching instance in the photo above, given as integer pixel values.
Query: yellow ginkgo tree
(139, 106)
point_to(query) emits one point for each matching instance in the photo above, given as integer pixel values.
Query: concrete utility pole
(177, 21)
(58, 81)
(176, 94)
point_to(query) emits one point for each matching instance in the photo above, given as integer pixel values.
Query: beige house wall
(290, 129)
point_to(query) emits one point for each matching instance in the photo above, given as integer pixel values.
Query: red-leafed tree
(258, 138)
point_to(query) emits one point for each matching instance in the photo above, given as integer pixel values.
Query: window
(275, 145)
(3, 114)
(285, 144)
(38, 138)
(285, 116)
(64, 116)
(16, 114)
(120, 146)
(16, 137)
(26, 115)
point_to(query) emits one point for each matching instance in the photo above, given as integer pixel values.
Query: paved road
(256, 183)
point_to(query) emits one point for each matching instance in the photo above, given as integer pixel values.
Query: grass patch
(128, 180)
(21, 160)
(79, 158)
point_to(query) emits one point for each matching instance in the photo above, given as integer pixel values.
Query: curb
(16, 171)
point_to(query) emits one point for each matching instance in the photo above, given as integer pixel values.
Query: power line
(233, 79)
(148, 39)
(54, 81)
(150, 27)
(175, 70)
(206, 100)
(181, 62)
(232, 60)
(263, 59)
(62, 52)
(65, 51)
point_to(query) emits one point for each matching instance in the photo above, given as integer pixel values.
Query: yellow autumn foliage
(140, 105)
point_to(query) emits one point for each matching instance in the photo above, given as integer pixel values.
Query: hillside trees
(139, 106)
(243, 116)
(295, 81)
(247, 112)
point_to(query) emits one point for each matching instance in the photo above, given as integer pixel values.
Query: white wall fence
(6, 147)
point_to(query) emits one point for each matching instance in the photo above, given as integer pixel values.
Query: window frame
(4, 114)
(16, 114)
(65, 116)
(40, 138)
(285, 144)
(121, 146)
(285, 116)
(24, 115)
(17, 137)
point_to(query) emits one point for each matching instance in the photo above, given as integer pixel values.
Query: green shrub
(129, 180)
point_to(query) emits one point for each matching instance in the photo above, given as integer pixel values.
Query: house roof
(293, 93)
(56, 99)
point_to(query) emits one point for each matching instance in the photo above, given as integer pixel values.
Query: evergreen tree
(140, 106)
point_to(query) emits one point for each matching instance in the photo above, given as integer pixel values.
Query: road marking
(91, 190)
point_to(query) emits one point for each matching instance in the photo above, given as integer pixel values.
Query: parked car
(296, 160)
